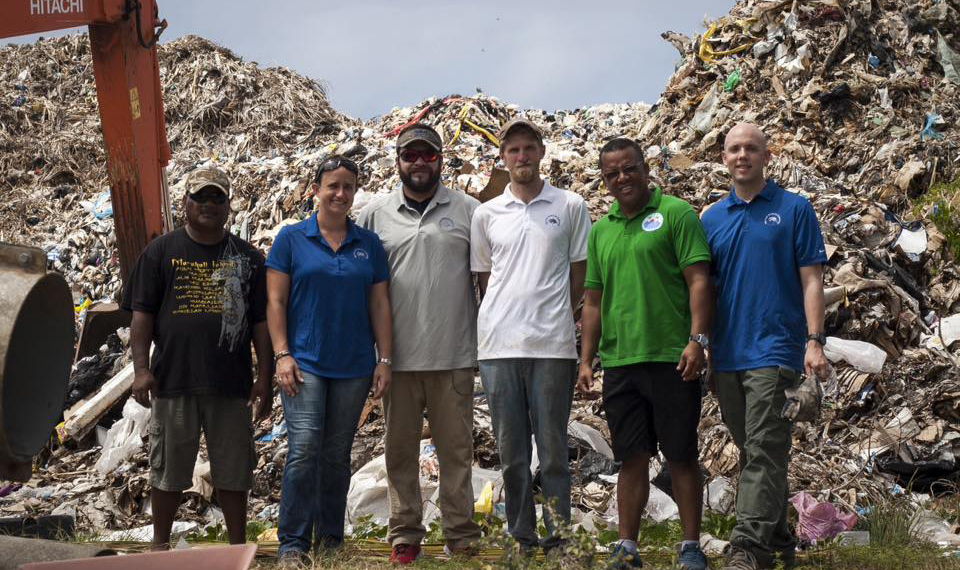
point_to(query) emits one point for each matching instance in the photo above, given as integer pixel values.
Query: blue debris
(929, 130)
(278, 430)
(103, 207)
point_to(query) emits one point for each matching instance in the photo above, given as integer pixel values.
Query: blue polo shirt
(758, 249)
(328, 312)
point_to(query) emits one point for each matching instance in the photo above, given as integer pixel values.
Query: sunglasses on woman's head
(334, 163)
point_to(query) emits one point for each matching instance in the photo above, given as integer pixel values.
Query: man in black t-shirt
(198, 294)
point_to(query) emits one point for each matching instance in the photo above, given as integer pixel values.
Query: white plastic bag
(863, 356)
(124, 437)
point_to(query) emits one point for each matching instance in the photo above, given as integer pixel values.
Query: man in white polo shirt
(425, 228)
(529, 249)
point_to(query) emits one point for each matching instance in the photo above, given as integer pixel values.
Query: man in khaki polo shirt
(425, 228)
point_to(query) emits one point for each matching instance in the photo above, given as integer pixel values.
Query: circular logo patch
(653, 222)
(772, 219)
(552, 221)
(446, 224)
(361, 254)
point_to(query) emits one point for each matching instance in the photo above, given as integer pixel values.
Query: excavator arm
(36, 309)
(123, 37)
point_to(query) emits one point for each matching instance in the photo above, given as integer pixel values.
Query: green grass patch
(872, 558)
(862, 558)
(941, 205)
(218, 532)
(889, 524)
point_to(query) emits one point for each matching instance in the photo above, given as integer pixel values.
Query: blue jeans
(321, 422)
(531, 396)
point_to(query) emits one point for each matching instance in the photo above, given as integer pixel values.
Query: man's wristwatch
(700, 339)
(819, 337)
(279, 355)
(385, 360)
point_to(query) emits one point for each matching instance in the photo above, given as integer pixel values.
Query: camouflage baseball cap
(420, 132)
(208, 176)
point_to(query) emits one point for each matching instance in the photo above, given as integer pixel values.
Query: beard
(423, 187)
(524, 174)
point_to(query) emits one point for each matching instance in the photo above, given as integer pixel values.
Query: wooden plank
(82, 419)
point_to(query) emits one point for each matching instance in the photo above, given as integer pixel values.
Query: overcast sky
(377, 54)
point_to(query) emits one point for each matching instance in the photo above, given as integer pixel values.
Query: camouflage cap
(207, 176)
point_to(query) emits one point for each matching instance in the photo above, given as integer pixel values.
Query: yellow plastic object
(707, 53)
(465, 121)
(484, 502)
(83, 306)
(268, 535)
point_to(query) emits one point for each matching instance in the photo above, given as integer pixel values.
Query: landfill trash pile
(258, 122)
(859, 99)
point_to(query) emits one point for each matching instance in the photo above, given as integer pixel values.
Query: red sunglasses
(411, 155)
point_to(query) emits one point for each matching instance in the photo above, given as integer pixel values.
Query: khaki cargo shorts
(175, 425)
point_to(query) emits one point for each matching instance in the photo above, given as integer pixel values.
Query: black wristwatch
(819, 337)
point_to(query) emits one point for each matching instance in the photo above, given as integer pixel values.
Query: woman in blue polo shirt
(328, 307)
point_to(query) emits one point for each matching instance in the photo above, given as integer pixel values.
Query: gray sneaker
(740, 559)
(692, 558)
(294, 560)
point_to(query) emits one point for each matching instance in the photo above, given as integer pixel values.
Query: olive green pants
(750, 403)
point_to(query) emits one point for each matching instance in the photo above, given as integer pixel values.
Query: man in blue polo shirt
(768, 257)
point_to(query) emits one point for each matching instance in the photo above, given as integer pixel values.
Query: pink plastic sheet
(819, 521)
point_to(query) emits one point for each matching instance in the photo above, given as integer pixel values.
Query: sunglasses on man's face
(217, 197)
(632, 170)
(412, 156)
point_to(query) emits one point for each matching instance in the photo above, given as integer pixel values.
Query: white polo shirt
(528, 249)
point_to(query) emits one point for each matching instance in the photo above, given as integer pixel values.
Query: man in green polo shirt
(647, 304)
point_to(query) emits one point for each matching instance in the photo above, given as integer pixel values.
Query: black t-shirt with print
(205, 300)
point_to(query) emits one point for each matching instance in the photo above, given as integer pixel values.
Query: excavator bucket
(36, 350)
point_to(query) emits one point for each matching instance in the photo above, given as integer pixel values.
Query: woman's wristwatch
(385, 360)
(277, 356)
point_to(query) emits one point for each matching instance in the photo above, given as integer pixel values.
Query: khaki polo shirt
(431, 287)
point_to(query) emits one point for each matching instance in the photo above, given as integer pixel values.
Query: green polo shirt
(638, 263)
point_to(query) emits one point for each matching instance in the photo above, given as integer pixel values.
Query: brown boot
(738, 558)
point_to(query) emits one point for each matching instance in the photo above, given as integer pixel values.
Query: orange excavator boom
(123, 37)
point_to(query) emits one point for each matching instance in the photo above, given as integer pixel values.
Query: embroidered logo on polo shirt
(552, 221)
(653, 222)
(772, 219)
(361, 254)
(445, 224)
